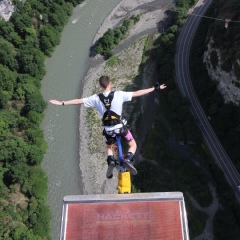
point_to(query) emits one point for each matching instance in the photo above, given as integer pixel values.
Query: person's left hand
(157, 86)
(162, 86)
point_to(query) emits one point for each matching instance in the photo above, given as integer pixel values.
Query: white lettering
(123, 216)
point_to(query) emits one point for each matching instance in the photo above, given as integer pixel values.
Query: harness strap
(106, 100)
(109, 117)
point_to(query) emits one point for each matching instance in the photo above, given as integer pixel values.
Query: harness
(110, 118)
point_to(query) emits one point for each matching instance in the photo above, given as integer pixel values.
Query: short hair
(104, 81)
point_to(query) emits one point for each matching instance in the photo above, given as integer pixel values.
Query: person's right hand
(55, 102)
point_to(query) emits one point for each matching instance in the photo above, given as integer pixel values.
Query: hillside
(222, 56)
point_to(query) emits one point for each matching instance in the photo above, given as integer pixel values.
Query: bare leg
(132, 146)
(128, 158)
(110, 161)
(109, 150)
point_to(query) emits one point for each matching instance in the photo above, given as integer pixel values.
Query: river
(65, 72)
(63, 81)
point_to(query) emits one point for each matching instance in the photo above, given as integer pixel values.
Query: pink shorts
(110, 137)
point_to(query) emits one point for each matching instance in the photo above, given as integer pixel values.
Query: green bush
(31, 34)
(36, 103)
(112, 37)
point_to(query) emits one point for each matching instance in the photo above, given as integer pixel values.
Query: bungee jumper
(109, 104)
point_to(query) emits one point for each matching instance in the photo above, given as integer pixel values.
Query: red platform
(131, 216)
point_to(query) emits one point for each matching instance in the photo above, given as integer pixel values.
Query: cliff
(6, 9)
(222, 54)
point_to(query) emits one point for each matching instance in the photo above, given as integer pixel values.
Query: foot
(111, 166)
(128, 164)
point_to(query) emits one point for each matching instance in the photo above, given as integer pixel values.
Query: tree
(111, 38)
(179, 15)
(57, 17)
(123, 29)
(48, 39)
(106, 42)
(9, 117)
(15, 39)
(31, 61)
(35, 102)
(22, 124)
(21, 22)
(118, 36)
(14, 151)
(68, 8)
(135, 18)
(7, 79)
(35, 155)
(33, 30)
(8, 33)
(173, 29)
(126, 23)
(4, 97)
(18, 173)
(37, 5)
(2, 185)
(26, 86)
(5, 29)
(22, 232)
(34, 135)
(31, 39)
(7, 55)
(35, 117)
(39, 183)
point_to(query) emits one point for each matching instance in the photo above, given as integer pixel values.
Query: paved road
(184, 82)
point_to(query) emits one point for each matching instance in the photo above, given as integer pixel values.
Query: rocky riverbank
(122, 68)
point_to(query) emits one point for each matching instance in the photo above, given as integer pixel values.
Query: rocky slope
(122, 69)
(222, 55)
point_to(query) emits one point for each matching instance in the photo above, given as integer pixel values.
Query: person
(109, 104)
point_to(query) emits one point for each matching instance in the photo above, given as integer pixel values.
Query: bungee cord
(227, 21)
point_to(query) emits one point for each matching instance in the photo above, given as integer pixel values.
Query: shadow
(162, 26)
(92, 51)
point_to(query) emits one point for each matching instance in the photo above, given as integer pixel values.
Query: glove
(156, 86)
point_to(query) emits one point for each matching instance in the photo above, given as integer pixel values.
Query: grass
(144, 56)
(113, 61)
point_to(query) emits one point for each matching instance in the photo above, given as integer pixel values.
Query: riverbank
(124, 66)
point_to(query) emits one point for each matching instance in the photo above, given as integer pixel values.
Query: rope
(197, 15)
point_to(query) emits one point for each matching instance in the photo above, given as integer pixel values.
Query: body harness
(110, 118)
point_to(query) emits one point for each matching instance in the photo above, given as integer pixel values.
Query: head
(104, 82)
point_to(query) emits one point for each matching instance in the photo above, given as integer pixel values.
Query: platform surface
(124, 216)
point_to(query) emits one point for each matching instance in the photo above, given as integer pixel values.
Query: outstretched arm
(148, 90)
(70, 102)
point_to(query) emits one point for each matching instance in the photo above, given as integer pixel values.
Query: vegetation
(189, 169)
(229, 41)
(25, 41)
(113, 37)
(31, 34)
(224, 117)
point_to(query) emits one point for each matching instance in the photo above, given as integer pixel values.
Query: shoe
(111, 166)
(128, 165)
